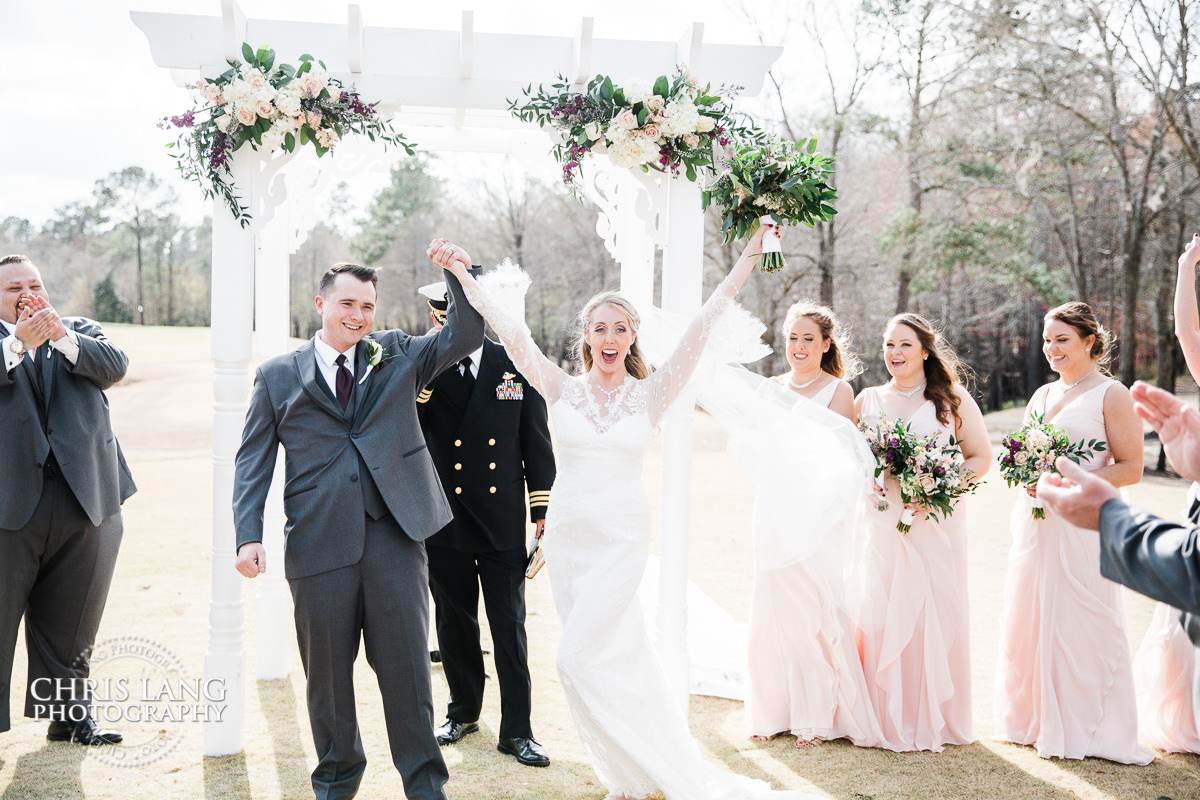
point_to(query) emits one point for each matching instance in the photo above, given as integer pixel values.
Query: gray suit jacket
(78, 428)
(327, 451)
(1157, 558)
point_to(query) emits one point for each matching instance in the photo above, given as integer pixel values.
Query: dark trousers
(55, 572)
(382, 601)
(455, 579)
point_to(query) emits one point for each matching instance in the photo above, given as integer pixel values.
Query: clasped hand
(445, 254)
(38, 322)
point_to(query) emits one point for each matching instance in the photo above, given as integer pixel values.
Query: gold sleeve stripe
(424, 396)
(539, 495)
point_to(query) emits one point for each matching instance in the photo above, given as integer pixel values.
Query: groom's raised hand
(251, 559)
(444, 253)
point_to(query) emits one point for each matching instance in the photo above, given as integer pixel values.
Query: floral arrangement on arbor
(271, 107)
(670, 125)
(1032, 450)
(930, 474)
(772, 180)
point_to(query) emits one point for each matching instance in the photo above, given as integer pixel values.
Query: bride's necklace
(803, 386)
(1069, 386)
(608, 392)
(906, 393)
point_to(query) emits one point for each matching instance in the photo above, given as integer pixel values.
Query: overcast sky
(82, 96)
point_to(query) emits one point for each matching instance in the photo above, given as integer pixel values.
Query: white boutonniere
(375, 357)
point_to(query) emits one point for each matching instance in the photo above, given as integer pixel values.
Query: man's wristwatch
(17, 347)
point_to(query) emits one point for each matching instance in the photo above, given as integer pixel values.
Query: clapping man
(488, 434)
(64, 479)
(361, 497)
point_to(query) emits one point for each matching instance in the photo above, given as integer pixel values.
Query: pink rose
(654, 103)
(264, 108)
(223, 123)
(311, 85)
(651, 132)
(246, 116)
(256, 79)
(626, 119)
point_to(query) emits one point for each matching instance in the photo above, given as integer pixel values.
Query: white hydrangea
(678, 118)
(638, 90)
(288, 104)
(272, 139)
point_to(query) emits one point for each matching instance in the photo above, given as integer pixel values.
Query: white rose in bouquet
(626, 119)
(593, 131)
(705, 124)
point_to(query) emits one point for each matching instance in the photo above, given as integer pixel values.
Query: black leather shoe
(527, 751)
(450, 731)
(85, 732)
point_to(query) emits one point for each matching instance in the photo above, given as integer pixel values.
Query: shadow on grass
(1174, 776)
(846, 772)
(53, 771)
(279, 705)
(226, 776)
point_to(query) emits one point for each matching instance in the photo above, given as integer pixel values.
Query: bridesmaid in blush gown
(597, 536)
(803, 668)
(1165, 665)
(1064, 682)
(912, 604)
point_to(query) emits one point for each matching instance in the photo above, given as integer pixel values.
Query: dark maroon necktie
(344, 382)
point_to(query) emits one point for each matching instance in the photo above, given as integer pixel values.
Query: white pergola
(448, 90)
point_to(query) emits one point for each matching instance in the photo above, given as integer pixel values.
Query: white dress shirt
(326, 358)
(67, 345)
(478, 354)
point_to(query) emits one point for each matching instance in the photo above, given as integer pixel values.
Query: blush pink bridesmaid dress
(1064, 679)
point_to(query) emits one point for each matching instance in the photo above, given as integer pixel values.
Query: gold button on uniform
(458, 442)
(492, 465)
(492, 490)
(458, 466)
(491, 441)
(458, 490)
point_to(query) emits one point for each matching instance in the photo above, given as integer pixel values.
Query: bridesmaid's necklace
(803, 386)
(1069, 386)
(906, 393)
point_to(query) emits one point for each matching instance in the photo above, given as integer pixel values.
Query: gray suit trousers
(384, 600)
(57, 572)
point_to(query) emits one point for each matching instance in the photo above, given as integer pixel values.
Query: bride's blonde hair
(635, 363)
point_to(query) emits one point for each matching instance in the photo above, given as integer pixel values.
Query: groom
(361, 496)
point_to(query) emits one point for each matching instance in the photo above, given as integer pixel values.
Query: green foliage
(107, 303)
(412, 191)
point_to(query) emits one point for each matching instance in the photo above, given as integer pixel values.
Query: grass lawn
(163, 416)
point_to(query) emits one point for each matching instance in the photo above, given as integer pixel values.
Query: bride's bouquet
(772, 181)
(1033, 449)
(930, 474)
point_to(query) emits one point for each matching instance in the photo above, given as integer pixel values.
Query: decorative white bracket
(233, 29)
(354, 38)
(581, 55)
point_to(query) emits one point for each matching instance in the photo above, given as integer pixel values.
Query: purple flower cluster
(222, 146)
(353, 103)
(574, 155)
(185, 120)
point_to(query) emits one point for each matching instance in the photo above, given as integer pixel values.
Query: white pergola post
(455, 86)
(272, 307)
(683, 260)
(232, 315)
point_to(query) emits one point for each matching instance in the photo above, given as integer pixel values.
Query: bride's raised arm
(669, 379)
(546, 376)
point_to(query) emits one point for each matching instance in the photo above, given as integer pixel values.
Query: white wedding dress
(597, 543)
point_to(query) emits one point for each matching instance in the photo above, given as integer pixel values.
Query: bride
(598, 535)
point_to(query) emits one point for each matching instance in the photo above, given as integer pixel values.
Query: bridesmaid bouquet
(891, 444)
(933, 478)
(1033, 450)
(929, 473)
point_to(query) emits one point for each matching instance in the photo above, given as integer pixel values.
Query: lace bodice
(652, 396)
